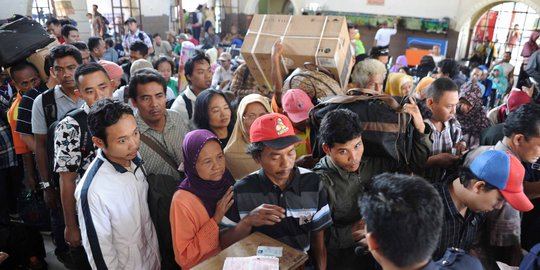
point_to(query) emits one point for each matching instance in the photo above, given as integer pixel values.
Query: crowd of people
(156, 153)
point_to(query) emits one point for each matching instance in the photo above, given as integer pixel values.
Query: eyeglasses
(253, 116)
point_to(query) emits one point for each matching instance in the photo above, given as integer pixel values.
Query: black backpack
(193, 17)
(51, 118)
(388, 132)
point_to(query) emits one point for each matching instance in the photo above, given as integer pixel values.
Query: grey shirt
(170, 140)
(64, 104)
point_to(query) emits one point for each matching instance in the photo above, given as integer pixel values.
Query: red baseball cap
(274, 130)
(297, 104)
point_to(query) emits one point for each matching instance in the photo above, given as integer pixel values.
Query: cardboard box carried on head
(321, 40)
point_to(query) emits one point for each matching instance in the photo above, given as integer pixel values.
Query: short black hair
(466, 177)
(439, 86)
(89, 69)
(189, 66)
(53, 20)
(139, 46)
(405, 216)
(145, 76)
(156, 35)
(68, 28)
(255, 149)
(105, 113)
(93, 42)
(449, 66)
(335, 123)
(109, 42)
(163, 59)
(525, 120)
(62, 51)
(200, 111)
(21, 66)
(81, 46)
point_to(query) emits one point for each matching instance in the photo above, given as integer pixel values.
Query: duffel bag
(388, 132)
(316, 81)
(21, 39)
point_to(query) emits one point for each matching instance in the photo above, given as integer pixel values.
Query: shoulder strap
(189, 106)
(141, 35)
(126, 95)
(49, 106)
(154, 146)
(86, 139)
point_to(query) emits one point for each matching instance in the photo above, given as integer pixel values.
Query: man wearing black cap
(135, 34)
(281, 200)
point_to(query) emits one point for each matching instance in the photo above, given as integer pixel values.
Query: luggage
(316, 81)
(388, 132)
(21, 39)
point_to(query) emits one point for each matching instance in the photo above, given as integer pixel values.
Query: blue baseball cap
(506, 173)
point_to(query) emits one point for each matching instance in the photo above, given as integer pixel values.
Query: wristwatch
(44, 185)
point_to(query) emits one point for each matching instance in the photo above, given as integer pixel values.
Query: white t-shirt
(507, 67)
(383, 36)
(437, 58)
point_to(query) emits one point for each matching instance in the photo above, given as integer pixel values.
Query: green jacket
(343, 190)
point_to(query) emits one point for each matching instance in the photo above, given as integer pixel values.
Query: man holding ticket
(281, 200)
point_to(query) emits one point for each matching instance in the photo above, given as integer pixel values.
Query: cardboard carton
(322, 40)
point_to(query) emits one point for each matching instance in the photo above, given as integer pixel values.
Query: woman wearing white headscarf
(238, 161)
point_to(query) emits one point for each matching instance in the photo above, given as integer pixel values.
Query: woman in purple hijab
(202, 199)
(401, 61)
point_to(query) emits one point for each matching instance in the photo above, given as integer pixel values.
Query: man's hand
(359, 233)
(306, 161)
(50, 198)
(461, 147)
(277, 50)
(72, 234)
(266, 214)
(223, 205)
(3, 256)
(414, 111)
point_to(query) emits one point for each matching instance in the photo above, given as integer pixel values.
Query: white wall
(10, 7)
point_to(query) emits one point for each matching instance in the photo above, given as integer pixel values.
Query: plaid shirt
(446, 139)
(458, 231)
(8, 158)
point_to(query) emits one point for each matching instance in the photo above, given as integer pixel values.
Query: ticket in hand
(269, 251)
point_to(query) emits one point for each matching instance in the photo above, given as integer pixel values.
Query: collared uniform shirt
(304, 201)
(179, 105)
(64, 104)
(457, 231)
(170, 140)
(116, 229)
(67, 146)
(130, 38)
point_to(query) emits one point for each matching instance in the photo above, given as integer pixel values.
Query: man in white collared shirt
(135, 34)
(199, 76)
(116, 227)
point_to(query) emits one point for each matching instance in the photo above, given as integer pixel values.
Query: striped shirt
(24, 119)
(170, 140)
(457, 231)
(304, 200)
(8, 157)
(446, 139)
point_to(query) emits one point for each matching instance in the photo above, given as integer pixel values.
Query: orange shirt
(195, 235)
(12, 114)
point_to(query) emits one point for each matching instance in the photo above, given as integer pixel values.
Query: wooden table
(292, 259)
